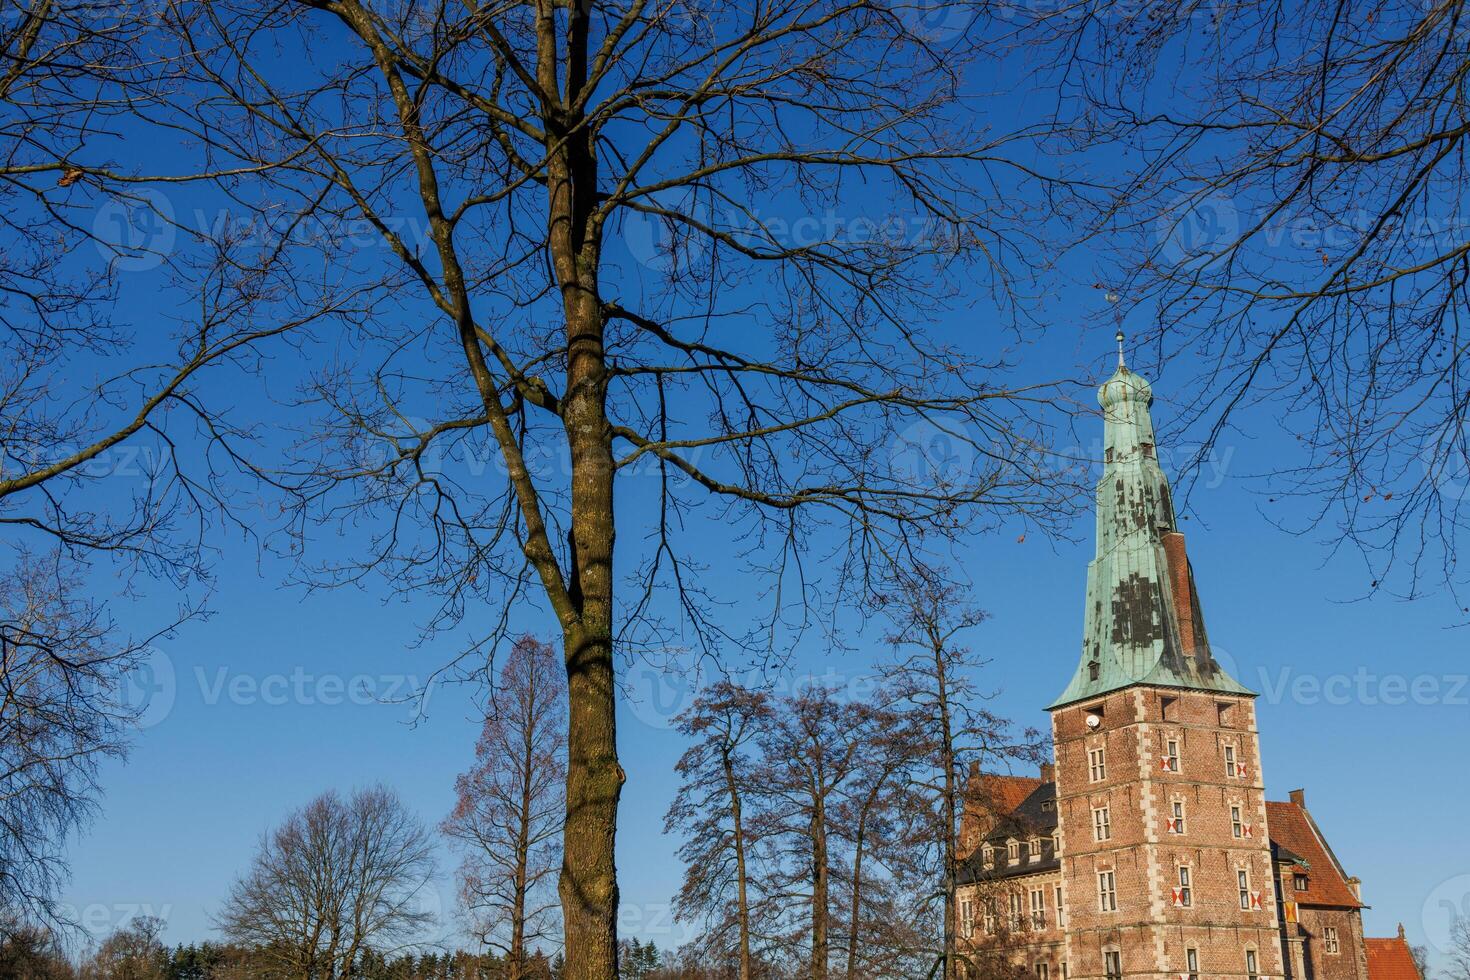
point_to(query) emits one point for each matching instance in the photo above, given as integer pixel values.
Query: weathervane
(1112, 297)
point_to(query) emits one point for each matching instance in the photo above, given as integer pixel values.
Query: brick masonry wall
(1147, 929)
(1350, 962)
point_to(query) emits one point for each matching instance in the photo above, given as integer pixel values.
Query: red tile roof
(1003, 793)
(1292, 829)
(1390, 959)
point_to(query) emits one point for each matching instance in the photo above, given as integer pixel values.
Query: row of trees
(821, 831)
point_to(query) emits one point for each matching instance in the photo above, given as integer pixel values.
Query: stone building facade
(1149, 849)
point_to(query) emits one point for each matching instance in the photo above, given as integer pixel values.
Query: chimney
(1183, 588)
(1299, 797)
(1401, 931)
(1048, 772)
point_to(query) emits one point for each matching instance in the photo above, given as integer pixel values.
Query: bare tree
(509, 160)
(508, 811)
(134, 952)
(338, 879)
(60, 716)
(96, 415)
(31, 952)
(1295, 237)
(874, 818)
(934, 676)
(815, 754)
(717, 776)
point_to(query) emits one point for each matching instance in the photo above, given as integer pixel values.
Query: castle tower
(1165, 862)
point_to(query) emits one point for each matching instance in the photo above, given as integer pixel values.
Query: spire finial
(1112, 297)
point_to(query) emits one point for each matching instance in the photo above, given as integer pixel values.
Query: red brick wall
(1147, 929)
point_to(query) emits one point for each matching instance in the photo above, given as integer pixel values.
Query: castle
(1149, 849)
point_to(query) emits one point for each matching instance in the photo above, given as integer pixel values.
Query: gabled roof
(1297, 842)
(1391, 959)
(1034, 816)
(1003, 794)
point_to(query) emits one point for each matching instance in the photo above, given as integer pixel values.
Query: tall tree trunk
(857, 889)
(588, 886)
(742, 900)
(950, 807)
(820, 942)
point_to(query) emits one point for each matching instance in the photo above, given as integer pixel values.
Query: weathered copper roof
(1143, 621)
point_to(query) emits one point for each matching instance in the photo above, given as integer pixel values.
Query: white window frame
(1186, 887)
(1252, 965)
(1038, 909)
(1013, 851)
(1177, 824)
(1061, 910)
(1171, 754)
(967, 918)
(1102, 824)
(1107, 891)
(1237, 823)
(1231, 766)
(1331, 945)
(1243, 883)
(1112, 964)
(1191, 963)
(1097, 764)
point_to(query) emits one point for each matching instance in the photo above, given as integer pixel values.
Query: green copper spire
(1143, 622)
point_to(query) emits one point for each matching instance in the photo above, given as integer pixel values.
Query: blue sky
(263, 706)
(279, 695)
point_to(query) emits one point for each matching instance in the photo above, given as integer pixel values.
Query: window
(967, 918)
(1237, 827)
(1171, 755)
(1017, 916)
(1013, 851)
(1299, 882)
(1038, 908)
(1243, 883)
(1184, 896)
(1230, 761)
(991, 920)
(1097, 764)
(1102, 826)
(989, 854)
(1107, 891)
(1094, 669)
(1226, 712)
(1033, 849)
(1061, 918)
(1176, 823)
(1252, 968)
(1329, 941)
(1041, 971)
(1113, 964)
(1191, 963)
(1169, 709)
